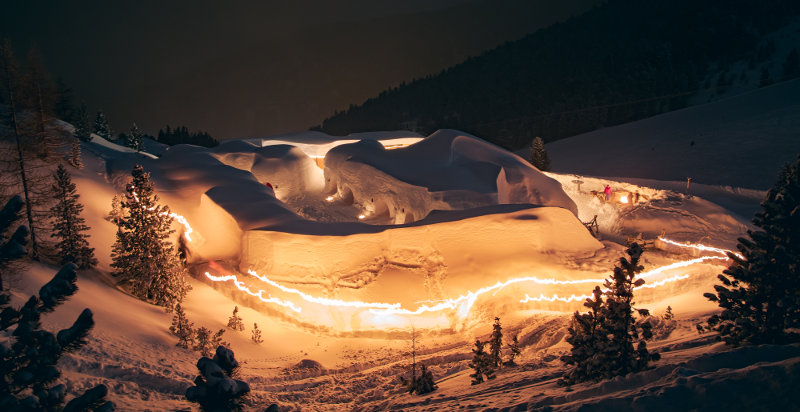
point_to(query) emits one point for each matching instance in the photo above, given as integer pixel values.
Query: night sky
(257, 68)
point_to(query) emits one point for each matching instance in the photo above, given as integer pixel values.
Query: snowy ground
(493, 237)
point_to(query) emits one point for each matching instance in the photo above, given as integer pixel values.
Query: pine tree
(603, 339)
(256, 335)
(116, 214)
(235, 321)
(69, 226)
(668, 314)
(143, 258)
(202, 341)
(425, 383)
(182, 328)
(514, 351)
(215, 388)
(29, 356)
(586, 335)
(75, 154)
(481, 364)
(539, 158)
(101, 127)
(496, 344)
(216, 339)
(82, 131)
(134, 139)
(760, 291)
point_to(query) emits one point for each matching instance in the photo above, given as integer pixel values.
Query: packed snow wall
(448, 170)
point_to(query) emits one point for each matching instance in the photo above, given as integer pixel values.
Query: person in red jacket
(607, 191)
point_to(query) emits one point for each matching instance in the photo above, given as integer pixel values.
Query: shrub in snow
(496, 344)
(205, 342)
(539, 158)
(102, 128)
(143, 258)
(424, 383)
(68, 226)
(215, 388)
(514, 350)
(134, 139)
(29, 356)
(603, 339)
(760, 291)
(256, 335)
(182, 328)
(481, 364)
(235, 321)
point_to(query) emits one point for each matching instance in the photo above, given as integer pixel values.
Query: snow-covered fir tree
(235, 321)
(496, 344)
(586, 335)
(216, 388)
(75, 156)
(82, 126)
(29, 355)
(69, 227)
(116, 214)
(539, 158)
(622, 357)
(143, 258)
(760, 291)
(102, 128)
(182, 328)
(514, 351)
(603, 339)
(481, 364)
(205, 342)
(668, 314)
(256, 335)
(425, 382)
(134, 139)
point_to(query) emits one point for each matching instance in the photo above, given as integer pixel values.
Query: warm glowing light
(182, 220)
(329, 198)
(383, 313)
(723, 252)
(361, 216)
(623, 198)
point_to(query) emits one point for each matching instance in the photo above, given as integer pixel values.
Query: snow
(741, 141)
(481, 230)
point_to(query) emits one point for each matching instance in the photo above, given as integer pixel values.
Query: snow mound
(448, 170)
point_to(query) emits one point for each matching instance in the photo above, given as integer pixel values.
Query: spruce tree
(760, 290)
(143, 258)
(235, 321)
(513, 347)
(620, 323)
(496, 344)
(134, 139)
(101, 127)
(256, 335)
(216, 388)
(29, 356)
(539, 158)
(116, 214)
(182, 328)
(202, 341)
(603, 339)
(69, 226)
(75, 154)
(481, 364)
(586, 335)
(668, 314)
(82, 126)
(425, 383)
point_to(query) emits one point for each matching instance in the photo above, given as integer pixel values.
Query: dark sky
(257, 68)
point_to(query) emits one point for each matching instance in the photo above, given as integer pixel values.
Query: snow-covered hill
(342, 283)
(741, 141)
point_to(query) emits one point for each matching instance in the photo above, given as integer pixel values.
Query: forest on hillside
(587, 72)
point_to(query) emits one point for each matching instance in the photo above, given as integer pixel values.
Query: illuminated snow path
(464, 303)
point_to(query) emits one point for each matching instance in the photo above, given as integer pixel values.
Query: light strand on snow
(572, 298)
(699, 246)
(241, 286)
